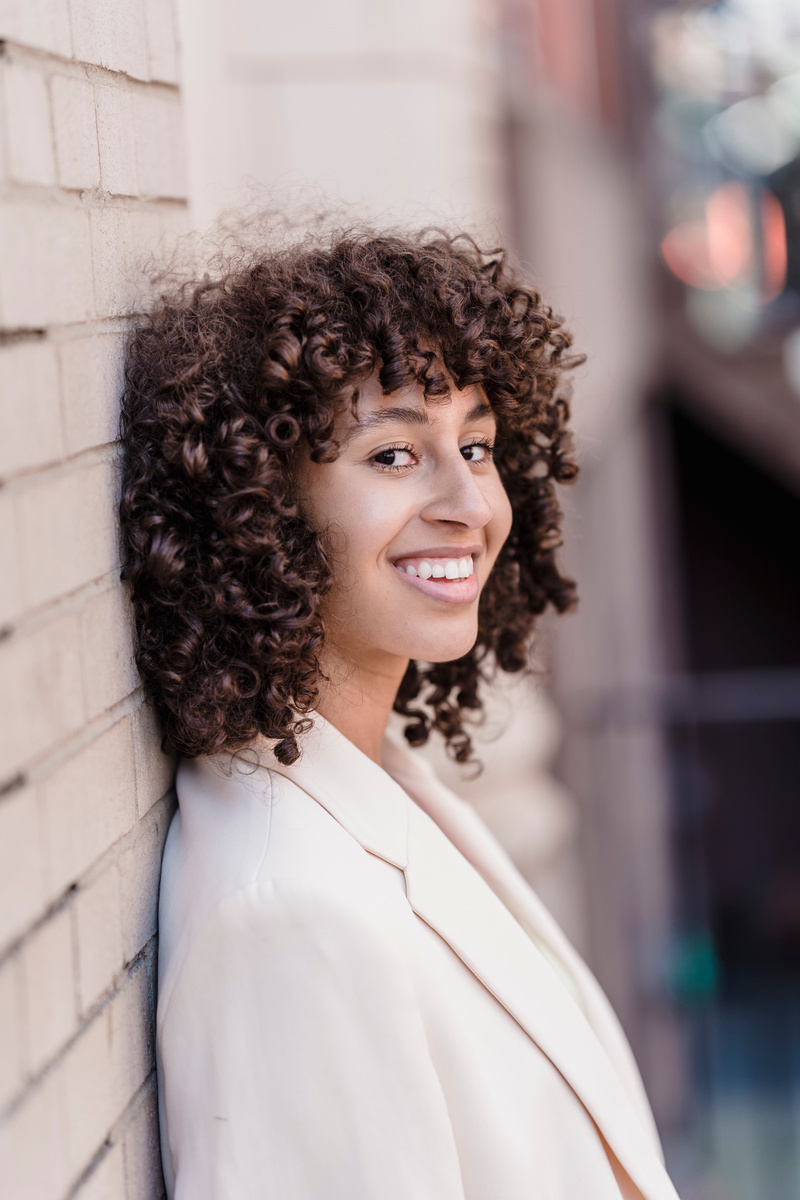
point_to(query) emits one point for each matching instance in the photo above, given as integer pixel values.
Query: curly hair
(226, 378)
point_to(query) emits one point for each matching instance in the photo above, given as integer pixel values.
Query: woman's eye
(394, 457)
(477, 452)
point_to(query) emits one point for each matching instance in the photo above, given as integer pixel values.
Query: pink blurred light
(729, 230)
(721, 248)
(773, 227)
(685, 251)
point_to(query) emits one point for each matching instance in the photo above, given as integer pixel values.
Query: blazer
(360, 998)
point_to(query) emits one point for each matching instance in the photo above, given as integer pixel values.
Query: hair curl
(227, 377)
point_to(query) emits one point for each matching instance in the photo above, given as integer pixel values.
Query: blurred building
(654, 152)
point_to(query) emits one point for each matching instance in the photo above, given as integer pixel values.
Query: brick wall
(90, 177)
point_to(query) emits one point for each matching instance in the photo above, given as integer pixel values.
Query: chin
(444, 649)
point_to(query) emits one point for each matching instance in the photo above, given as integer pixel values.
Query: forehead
(408, 404)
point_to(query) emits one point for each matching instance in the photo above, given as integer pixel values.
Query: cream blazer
(360, 998)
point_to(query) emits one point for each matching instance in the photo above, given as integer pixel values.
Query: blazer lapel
(451, 897)
(467, 832)
(449, 894)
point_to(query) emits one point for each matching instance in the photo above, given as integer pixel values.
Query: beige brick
(143, 1173)
(99, 938)
(91, 385)
(67, 531)
(22, 896)
(155, 771)
(107, 1180)
(48, 988)
(132, 1036)
(159, 144)
(45, 265)
(161, 47)
(175, 225)
(139, 873)
(4, 167)
(11, 1032)
(116, 139)
(88, 804)
(111, 33)
(30, 410)
(87, 1083)
(41, 692)
(40, 23)
(10, 586)
(30, 137)
(75, 127)
(121, 240)
(33, 1159)
(107, 647)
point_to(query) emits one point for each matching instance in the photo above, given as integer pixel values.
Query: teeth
(452, 568)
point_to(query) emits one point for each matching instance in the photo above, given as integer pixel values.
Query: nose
(456, 496)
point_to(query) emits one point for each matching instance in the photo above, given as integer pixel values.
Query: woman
(338, 501)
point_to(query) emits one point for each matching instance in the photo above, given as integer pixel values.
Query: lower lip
(451, 591)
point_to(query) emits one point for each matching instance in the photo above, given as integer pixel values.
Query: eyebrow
(412, 416)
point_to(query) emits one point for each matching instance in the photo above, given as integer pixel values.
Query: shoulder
(238, 824)
(251, 854)
(279, 943)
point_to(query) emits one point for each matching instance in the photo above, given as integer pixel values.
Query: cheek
(499, 526)
(361, 523)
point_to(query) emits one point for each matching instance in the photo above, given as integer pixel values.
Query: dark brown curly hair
(226, 378)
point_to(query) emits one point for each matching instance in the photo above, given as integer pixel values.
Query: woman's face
(414, 514)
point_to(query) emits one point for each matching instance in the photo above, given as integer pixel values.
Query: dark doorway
(735, 748)
(739, 546)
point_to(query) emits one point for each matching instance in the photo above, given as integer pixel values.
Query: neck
(357, 698)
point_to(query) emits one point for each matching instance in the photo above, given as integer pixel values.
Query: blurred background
(642, 160)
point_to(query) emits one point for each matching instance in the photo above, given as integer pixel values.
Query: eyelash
(485, 444)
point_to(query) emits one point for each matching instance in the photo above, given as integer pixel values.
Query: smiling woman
(231, 384)
(339, 499)
(415, 514)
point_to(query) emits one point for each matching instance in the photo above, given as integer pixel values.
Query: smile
(450, 579)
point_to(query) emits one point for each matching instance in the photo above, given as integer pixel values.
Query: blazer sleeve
(294, 1063)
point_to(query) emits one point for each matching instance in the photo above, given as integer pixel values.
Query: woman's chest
(514, 1117)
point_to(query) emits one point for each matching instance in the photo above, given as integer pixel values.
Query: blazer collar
(451, 894)
(357, 792)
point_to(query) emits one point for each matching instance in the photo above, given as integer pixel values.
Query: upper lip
(439, 552)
